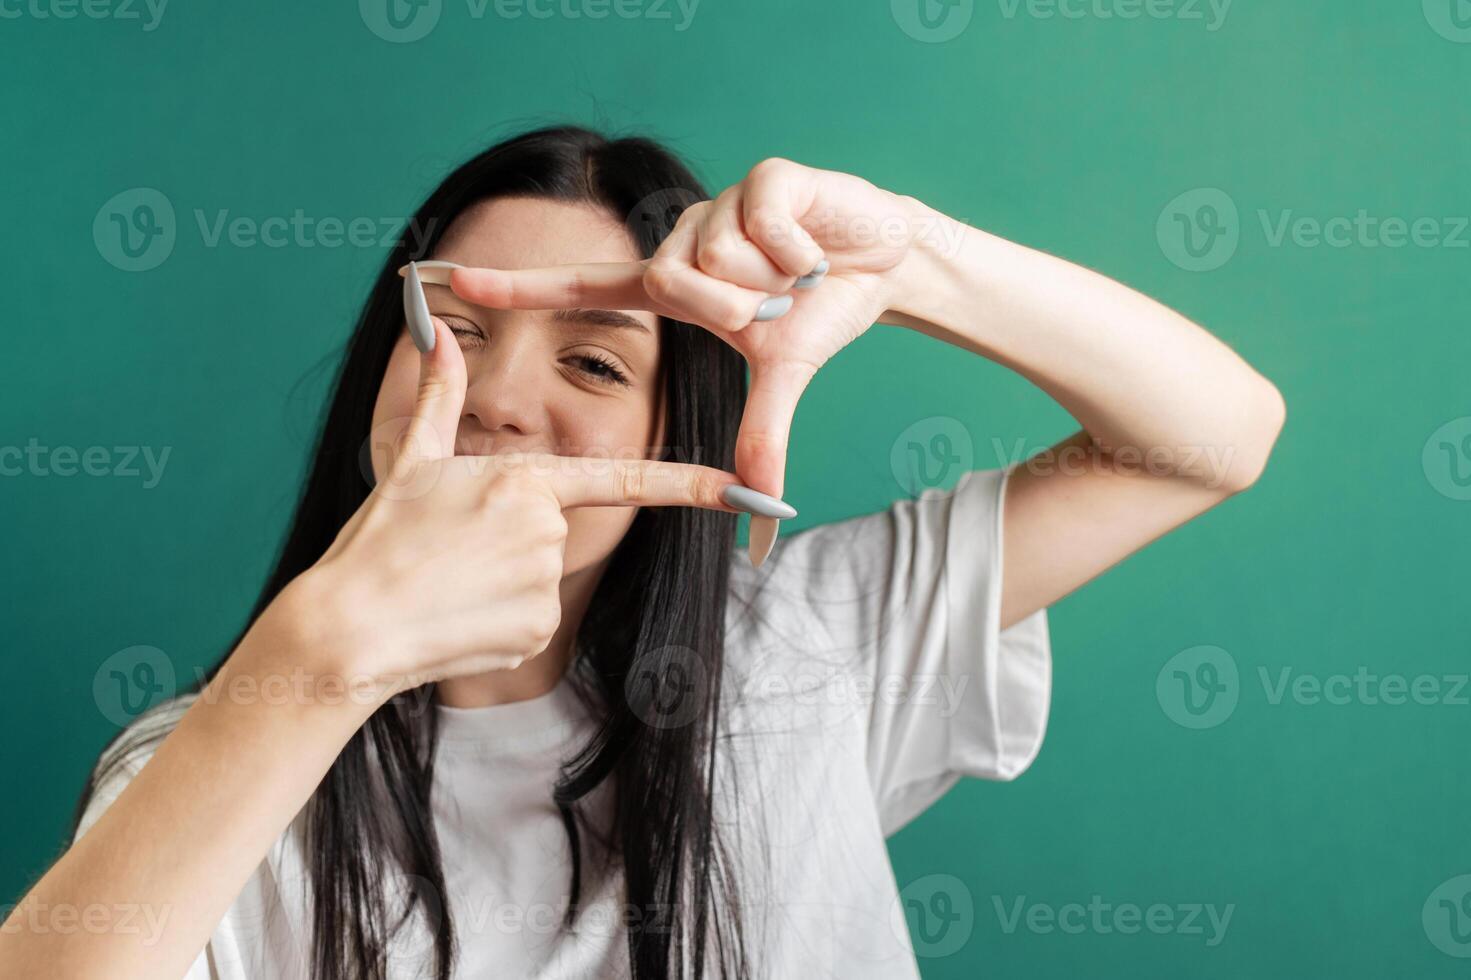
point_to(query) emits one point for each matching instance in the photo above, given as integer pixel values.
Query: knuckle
(507, 491)
(767, 225)
(432, 388)
(733, 314)
(771, 168)
(705, 486)
(715, 253)
(629, 482)
(659, 282)
(543, 619)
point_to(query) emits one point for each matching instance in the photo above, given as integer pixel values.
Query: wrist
(924, 276)
(303, 650)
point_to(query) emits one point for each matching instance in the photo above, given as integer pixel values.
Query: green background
(1326, 827)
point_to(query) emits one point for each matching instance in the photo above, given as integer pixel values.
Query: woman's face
(569, 382)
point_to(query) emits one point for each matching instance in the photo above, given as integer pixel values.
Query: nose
(505, 395)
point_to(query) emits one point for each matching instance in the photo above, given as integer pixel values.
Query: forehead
(528, 232)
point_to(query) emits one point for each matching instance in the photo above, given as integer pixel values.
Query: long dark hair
(659, 606)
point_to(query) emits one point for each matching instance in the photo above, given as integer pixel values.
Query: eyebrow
(600, 318)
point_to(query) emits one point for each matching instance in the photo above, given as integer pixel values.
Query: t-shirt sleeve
(908, 601)
(119, 763)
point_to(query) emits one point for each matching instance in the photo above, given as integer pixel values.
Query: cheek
(593, 533)
(395, 403)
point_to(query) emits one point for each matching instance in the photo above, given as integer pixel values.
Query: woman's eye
(600, 368)
(466, 333)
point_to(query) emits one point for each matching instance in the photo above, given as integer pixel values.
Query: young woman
(509, 705)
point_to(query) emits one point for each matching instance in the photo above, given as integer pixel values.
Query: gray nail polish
(416, 311)
(773, 307)
(756, 502)
(814, 277)
(434, 271)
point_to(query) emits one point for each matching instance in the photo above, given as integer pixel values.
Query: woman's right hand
(452, 565)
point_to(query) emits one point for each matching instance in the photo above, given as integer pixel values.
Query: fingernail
(432, 270)
(773, 307)
(756, 502)
(416, 311)
(762, 536)
(814, 277)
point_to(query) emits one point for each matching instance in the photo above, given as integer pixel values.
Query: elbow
(1248, 460)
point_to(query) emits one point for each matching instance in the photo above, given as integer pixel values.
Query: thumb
(761, 446)
(439, 401)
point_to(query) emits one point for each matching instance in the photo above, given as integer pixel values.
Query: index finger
(583, 482)
(600, 285)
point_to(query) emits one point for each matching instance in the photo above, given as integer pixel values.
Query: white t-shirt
(868, 673)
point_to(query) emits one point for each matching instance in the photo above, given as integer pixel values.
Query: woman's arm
(181, 840)
(1173, 420)
(454, 569)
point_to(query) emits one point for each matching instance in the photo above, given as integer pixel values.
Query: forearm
(1135, 374)
(182, 839)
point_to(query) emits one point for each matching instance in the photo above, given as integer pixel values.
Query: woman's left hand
(723, 260)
